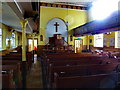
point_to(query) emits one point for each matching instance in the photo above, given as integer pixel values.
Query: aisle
(34, 77)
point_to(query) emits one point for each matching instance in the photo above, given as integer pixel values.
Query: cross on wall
(56, 26)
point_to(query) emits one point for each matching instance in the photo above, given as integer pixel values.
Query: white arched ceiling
(51, 28)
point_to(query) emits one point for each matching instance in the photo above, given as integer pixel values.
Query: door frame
(78, 39)
(31, 38)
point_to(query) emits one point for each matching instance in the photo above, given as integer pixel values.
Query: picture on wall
(112, 41)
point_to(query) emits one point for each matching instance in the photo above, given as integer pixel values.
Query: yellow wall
(108, 36)
(18, 34)
(84, 38)
(6, 33)
(116, 39)
(74, 17)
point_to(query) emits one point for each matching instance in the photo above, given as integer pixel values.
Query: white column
(32, 41)
(88, 42)
(23, 23)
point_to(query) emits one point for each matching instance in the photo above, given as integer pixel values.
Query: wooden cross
(56, 25)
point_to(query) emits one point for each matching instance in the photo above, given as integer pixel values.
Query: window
(98, 40)
(41, 37)
(0, 38)
(71, 38)
(18, 40)
(13, 40)
(90, 41)
(117, 39)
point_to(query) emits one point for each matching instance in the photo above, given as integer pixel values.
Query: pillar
(23, 23)
(33, 42)
(33, 51)
(88, 47)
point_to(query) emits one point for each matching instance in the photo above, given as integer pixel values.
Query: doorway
(30, 45)
(78, 45)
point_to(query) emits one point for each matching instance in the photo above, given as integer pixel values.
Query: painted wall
(74, 17)
(6, 33)
(18, 35)
(84, 38)
(117, 39)
(108, 38)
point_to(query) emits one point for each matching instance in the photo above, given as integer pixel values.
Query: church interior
(59, 44)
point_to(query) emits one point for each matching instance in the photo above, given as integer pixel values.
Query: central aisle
(34, 76)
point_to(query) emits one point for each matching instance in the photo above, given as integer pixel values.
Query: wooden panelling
(39, 49)
(63, 6)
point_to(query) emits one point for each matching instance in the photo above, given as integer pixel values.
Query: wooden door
(78, 45)
(30, 44)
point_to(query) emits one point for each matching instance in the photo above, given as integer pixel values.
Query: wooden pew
(12, 58)
(18, 72)
(64, 60)
(90, 81)
(61, 55)
(78, 61)
(18, 56)
(7, 80)
(81, 70)
(67, 55)
(68, 62)
(10, 73)
(15, 58)
(29, 58)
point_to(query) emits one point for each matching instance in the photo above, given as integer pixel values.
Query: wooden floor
(34, 76)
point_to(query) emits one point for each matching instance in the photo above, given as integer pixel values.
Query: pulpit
(57, 44)
(56, 41)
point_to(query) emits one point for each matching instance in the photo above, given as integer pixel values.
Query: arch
(71, 38)
(51, 28)
(41, 37)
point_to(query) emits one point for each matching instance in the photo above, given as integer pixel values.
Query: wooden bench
(7, 80)
(18, 56)
(81, 70)
(70, 65)
(67, 55)
(17, 73)
(90, 81)
(11, 72)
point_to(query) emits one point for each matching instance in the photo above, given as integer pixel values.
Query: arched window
(0, 38)
(18, 40)
(71, 38)
(41, 37)
(13, 40)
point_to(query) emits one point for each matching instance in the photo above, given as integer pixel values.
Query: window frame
(1, 38)
(13, 44)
